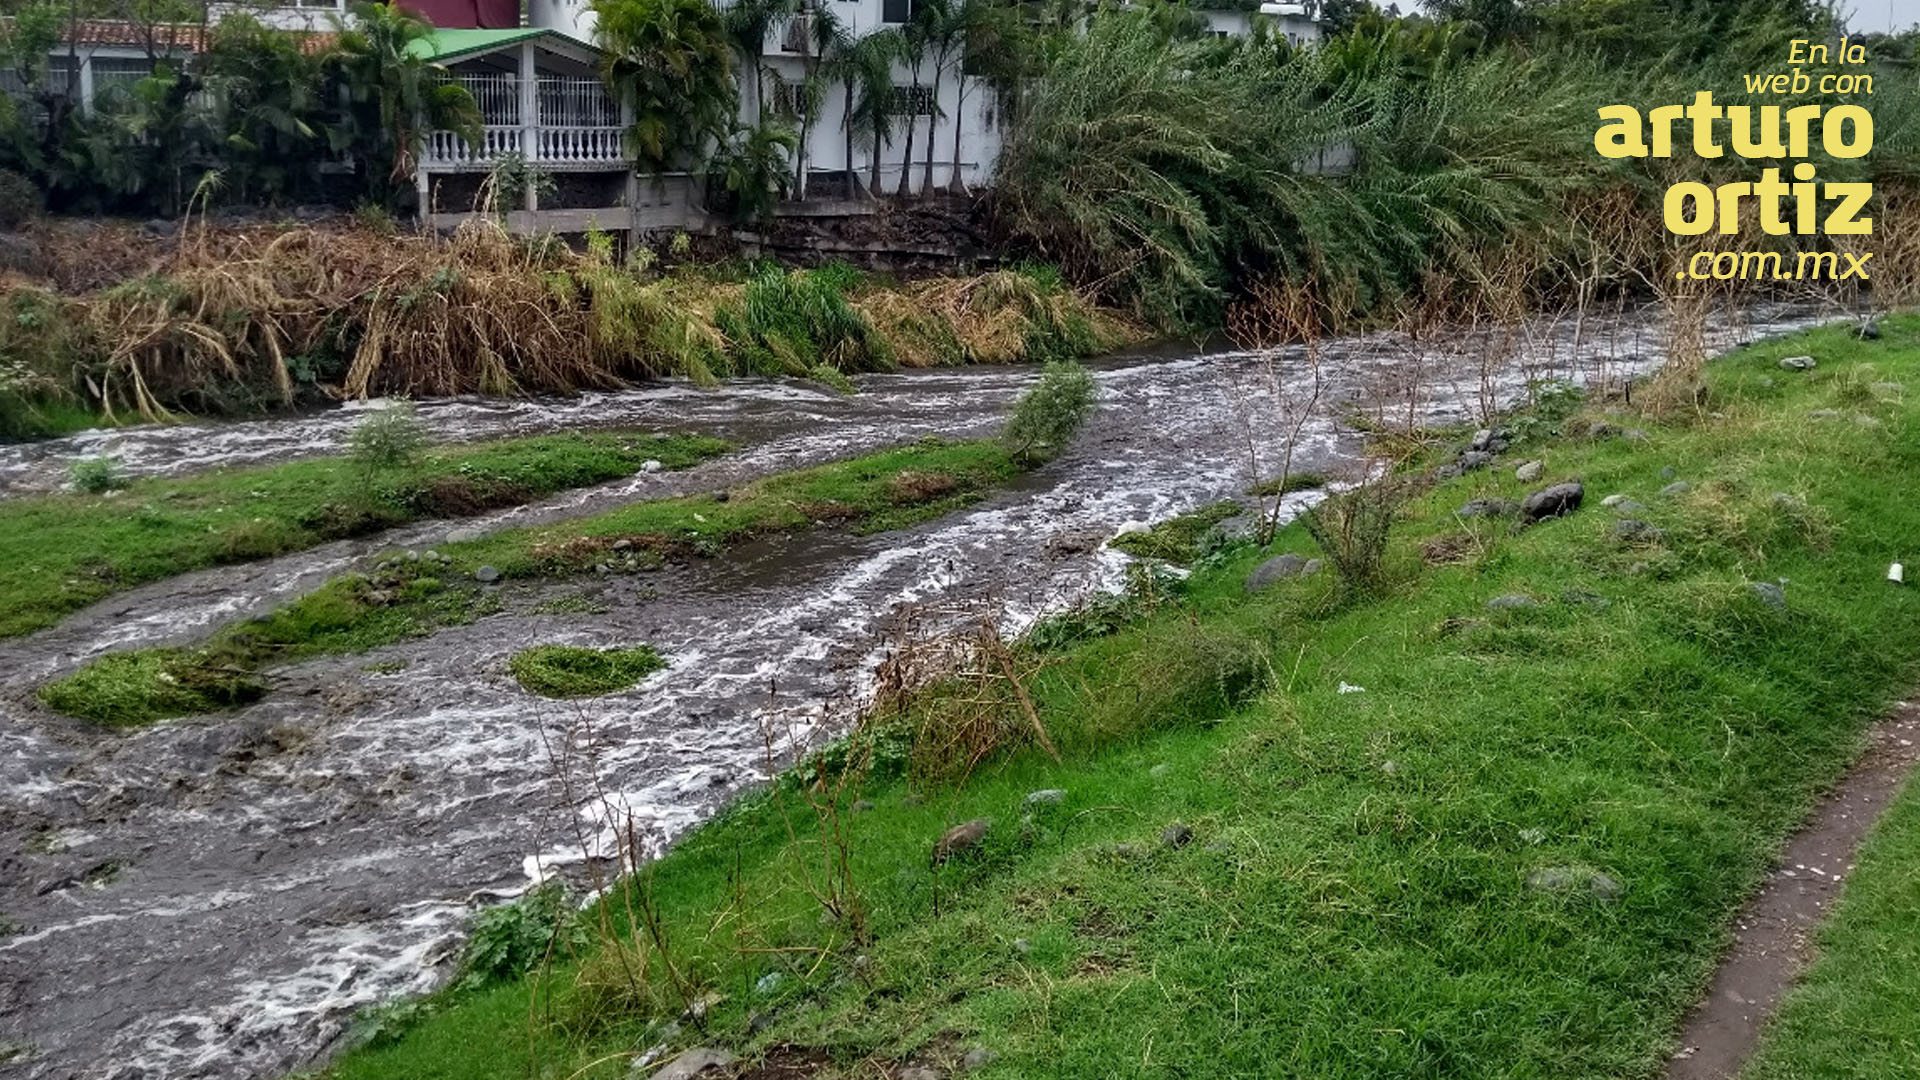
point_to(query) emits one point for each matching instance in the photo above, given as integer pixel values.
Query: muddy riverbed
(217, 897)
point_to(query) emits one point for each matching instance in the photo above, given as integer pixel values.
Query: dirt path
(1773, 933)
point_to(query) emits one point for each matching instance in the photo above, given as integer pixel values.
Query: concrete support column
(529, 117)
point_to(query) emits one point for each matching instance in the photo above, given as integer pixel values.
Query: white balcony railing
(553, 147)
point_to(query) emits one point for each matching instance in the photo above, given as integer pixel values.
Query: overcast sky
(1874, 14)
(1867, 14)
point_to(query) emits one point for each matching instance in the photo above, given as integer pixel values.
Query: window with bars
(787, 100)
(114, 77)
(897, 11)
(914, 100)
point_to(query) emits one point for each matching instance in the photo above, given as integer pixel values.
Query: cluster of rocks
(1486, 444)
(411, 559)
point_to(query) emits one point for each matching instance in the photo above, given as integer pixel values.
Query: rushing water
(217, 897)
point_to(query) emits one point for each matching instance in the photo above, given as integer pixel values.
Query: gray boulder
(1870, 330)
(1771, 594)
(1634, 531)
(1551, 502)
(1176, 835)
(1045, 796)
(1278, 569)
(699, 1061)
(1512, 602)
(961, 838)
(486, 575)
(1488, 508)
(1678, 487)
(1798, 363)
(1529, 472)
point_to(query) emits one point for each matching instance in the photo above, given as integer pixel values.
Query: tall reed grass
(227, 322)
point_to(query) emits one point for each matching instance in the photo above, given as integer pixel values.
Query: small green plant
(512, 939)
(571, 671)
(374, 218)
(391, 438)
(1047, 416)
(1352, 529)
(95, 475)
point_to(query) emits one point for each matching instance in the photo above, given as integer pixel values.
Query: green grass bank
(402, 597)
(61, 552)
(1301, 831)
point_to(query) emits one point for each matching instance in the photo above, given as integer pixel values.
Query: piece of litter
(1348, 688)
(1897, 574)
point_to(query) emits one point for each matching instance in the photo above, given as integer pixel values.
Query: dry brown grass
(215, 317)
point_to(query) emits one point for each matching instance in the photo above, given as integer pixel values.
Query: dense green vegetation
(454, 584)
(1443, 161)
(253, 117)
(1309, 830)
(61, 552)
(571, 671)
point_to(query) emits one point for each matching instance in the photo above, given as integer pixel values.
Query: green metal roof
(445, 45)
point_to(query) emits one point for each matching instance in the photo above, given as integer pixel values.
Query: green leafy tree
(912, 51)
(395, 94)
(668, 61)
(943, 34)
(877, 100)
(825, 38)
(266, 96)
(747, 23)
(753, 168)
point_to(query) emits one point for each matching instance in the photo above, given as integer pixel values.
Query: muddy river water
(217, 897)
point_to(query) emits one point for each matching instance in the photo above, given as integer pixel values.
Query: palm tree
(668, 61)
(396, 96)
(826, 37)
(843, 64)
(943, 34)
(747, 24)
(266, 95)
(996, 46)
(754, 168)
(872, 59)
(913, 51)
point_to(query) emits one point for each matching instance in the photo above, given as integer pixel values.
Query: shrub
(95, 475)
(512, 939)
(391, 438)
(1352, 529)
(19, 200)
(1046, 418)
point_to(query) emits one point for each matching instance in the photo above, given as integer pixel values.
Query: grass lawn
(1514, 852)
(1855, 1013)
(403, 597)
(61, 552)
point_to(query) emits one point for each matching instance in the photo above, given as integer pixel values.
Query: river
(217, 897)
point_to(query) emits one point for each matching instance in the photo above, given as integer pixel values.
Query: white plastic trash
(1896, 574)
